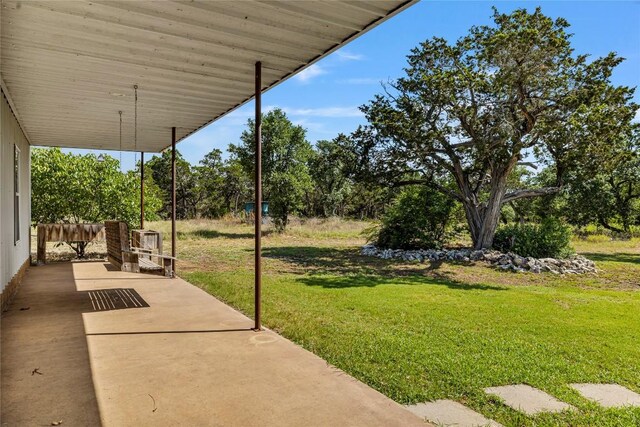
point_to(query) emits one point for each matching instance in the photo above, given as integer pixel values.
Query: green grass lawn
(420, 332)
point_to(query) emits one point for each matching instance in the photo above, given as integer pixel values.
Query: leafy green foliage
(332, 187)
(608, 194)
(210, 177)
(237, 186)
(285, 172)
(211, 189)
(417, 220)
(549, 239)
(72, 188)
(188, 194)
(340, 184)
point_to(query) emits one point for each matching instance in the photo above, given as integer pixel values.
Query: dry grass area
(332, 246)
(224, 245)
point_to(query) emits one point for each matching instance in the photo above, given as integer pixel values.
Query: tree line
(298, 177)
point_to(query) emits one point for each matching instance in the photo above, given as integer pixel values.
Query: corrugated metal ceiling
(70, 66)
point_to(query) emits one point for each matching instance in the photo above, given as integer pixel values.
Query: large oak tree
(504, 95)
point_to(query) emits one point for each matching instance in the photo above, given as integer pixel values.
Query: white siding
(13, 255)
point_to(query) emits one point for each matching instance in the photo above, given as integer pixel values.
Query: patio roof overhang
(68, 67)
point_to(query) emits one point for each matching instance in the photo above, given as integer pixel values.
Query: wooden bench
(122, 255)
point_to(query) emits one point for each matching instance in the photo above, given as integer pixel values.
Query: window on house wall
(16, 197)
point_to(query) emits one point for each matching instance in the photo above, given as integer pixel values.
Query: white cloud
(240, 116)
(349, 56)
(309, 73)
(315, 127)
(637, 117)
(242, 113)
(324, 112)
(361, 81)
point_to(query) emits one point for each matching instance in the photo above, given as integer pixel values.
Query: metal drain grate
(116, 299)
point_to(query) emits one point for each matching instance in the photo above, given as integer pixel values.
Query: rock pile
(576, 264)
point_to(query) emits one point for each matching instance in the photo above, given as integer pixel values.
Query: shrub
(417, 220)
(549, 239)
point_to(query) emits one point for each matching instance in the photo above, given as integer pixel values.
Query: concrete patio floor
(187, 359)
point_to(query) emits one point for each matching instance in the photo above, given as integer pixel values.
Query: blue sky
(325, 98)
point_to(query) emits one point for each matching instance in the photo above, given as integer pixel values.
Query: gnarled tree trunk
(483, 217)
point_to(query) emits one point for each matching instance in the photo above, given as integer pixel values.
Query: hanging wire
(135, 125)
(120, 112)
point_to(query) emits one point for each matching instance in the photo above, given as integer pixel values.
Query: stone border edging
(576, 264)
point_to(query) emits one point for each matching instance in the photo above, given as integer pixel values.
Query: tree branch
(465, 144)
(608, 226)
(440, 188)
(533, 192)
(529, 164)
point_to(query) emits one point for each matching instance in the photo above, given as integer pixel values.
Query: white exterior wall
(13, 255)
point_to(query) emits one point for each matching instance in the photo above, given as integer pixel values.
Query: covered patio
(187, 359)
(143, 76)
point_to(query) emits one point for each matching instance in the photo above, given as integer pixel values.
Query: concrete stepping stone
(527, 399)
(451, 413)
(608, 395)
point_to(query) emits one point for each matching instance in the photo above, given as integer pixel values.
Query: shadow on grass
(341, 282)
(624, 257)
(214, 234)
(345, 268)
(326, 260)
